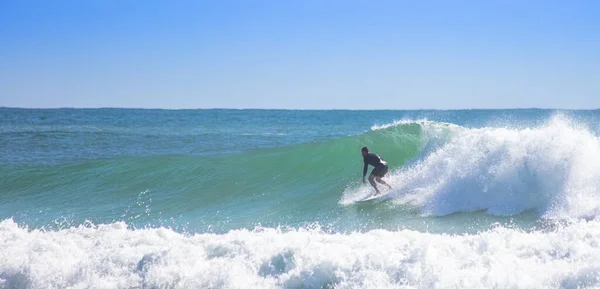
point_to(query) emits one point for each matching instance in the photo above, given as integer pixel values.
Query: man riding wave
(380, 169)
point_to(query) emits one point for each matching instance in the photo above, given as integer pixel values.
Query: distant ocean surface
(127, 198)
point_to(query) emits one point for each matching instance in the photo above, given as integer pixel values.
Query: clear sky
(300, 54)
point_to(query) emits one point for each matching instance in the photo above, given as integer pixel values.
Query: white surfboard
(373, 197)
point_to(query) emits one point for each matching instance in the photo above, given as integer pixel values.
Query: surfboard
(372, 197)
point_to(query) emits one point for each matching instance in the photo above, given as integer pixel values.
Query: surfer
(378, 172)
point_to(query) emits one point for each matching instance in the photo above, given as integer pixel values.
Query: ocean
(218, 198)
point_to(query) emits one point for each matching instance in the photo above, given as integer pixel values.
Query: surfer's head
(364, 150)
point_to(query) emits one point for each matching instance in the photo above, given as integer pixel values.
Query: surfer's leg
(381, 172)
(381, 181)
(372, 181)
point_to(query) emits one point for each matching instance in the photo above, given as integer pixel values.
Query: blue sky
(300, 54)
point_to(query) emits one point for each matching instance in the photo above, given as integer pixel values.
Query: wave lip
(553, 170)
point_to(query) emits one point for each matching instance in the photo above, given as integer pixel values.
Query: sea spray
(112, 256)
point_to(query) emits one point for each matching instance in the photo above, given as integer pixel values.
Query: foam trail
(111, 256)
(554, 170)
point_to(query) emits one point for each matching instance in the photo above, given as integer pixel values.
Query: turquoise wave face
(244, 188)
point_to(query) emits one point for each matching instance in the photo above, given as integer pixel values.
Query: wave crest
(553, 169)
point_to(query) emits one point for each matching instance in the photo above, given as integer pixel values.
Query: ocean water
(125, 198)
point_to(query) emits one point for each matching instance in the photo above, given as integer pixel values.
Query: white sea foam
(112, 256)
(424, 122)
(553, 169)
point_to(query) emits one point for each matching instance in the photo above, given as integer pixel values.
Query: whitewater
(116, 198)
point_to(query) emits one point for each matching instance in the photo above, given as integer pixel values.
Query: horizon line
(288, 109)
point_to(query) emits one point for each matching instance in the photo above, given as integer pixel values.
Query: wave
(206, 187)
(436, 168)
(553, 169)
(113, 256)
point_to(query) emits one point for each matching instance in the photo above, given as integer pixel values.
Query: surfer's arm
(365, 171)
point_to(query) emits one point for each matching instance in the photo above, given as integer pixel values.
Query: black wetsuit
(380, 165)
